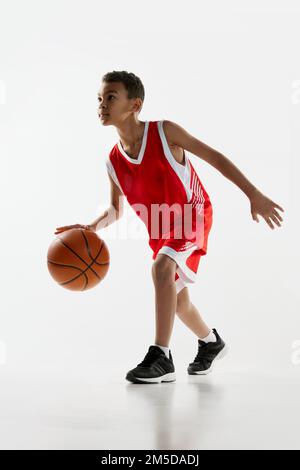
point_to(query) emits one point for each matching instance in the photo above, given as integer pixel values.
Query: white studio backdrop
(229, 73)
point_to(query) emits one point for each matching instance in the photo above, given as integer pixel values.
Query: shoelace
(151, 355)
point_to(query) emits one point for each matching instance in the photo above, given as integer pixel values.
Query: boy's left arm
(259, 203)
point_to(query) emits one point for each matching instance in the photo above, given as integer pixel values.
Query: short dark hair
(132, 83)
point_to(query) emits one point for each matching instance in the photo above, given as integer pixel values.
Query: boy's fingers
(66, 227)
(278, 215)
(269, 222)
(273, 217)
(279, 207)
(69, 227)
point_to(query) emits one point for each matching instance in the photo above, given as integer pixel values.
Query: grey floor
(85, 409)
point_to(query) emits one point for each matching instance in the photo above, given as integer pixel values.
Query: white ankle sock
(210, 338)
(165, 350)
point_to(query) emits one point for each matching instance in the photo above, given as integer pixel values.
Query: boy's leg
(209, 350)
(189, 315)
(163, 274)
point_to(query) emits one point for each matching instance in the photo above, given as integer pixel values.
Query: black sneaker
(207, 353)
(154, 368)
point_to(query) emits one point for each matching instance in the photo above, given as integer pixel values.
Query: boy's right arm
(110, 215)
(114, 212)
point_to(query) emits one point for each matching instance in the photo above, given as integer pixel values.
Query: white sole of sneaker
(221, 354)
(164, 378)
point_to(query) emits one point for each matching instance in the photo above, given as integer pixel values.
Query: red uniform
(168, 197)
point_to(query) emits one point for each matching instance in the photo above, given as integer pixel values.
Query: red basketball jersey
(159, 188)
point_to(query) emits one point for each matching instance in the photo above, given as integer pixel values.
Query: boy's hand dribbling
(68, 227)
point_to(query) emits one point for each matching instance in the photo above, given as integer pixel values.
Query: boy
(148, 165)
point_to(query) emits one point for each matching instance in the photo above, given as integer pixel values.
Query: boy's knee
(163, 269)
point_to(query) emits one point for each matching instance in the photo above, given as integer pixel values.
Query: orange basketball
(78, 259)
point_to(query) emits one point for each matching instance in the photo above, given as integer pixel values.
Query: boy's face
(114, 105)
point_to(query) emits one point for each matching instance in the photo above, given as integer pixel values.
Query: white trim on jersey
(180, 284)
(112, 173)
(180, 257)
(137, 160)
(198, 199)
(183, 171)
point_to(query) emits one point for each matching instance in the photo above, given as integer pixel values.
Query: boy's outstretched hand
(262, 205)
(68, 227)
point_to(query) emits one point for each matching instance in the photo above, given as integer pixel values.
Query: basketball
(78, 259)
